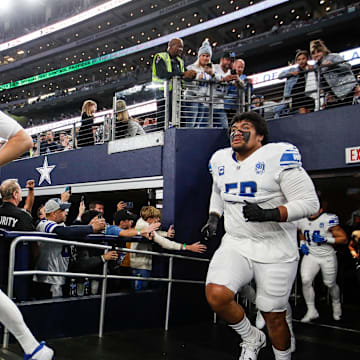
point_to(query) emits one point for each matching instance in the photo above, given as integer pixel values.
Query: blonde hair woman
(126, 125)
(86, 132)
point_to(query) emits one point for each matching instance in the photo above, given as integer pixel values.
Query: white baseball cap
(55, 204)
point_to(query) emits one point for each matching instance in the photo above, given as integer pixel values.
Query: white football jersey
(322, 225)
(257, 180)
(52, 257)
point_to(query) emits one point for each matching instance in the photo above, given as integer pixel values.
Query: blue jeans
(195, 114)
(220, 118)
(140, 284)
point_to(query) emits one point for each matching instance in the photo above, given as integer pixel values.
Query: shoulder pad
(333, 220)
(290, 156)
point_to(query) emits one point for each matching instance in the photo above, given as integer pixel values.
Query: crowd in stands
(338, 86)
(245, 38)
(51, 218)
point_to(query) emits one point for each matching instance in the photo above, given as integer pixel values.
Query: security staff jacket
(13, 218)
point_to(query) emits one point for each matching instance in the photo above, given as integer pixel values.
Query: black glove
(253, 212)
(209, 230)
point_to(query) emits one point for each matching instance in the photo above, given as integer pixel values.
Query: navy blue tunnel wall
(183, 162)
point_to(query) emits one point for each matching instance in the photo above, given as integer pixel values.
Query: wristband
(139, 232)
(184, 246)
(102, 258)
(330, 240)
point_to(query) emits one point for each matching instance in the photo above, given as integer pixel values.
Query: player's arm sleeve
(8, 126)
(299, 191)
(18, 140)
(338, 235)
(216, 202)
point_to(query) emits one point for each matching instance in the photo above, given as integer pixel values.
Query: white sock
(288, 318)
(309, 295)
(245, 330)
(282, 355)
(11, 317)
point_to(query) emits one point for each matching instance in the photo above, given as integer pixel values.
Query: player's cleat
(250, 350)
(310, 315)
(42, 352)
(259, 322)
(336, 311)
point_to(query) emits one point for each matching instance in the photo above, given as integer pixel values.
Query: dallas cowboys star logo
(45, 171)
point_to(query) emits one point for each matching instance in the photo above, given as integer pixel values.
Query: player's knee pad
(329, 283)
(271, 304)
(274, 297)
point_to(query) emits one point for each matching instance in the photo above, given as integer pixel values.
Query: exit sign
(352, 155)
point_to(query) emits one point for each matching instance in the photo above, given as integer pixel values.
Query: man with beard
(260, 189)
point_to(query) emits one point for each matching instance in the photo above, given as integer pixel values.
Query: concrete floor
(202, 341)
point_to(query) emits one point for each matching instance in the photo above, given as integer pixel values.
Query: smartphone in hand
(68, 188)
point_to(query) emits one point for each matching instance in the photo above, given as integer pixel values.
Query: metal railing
(197, 104)
(104, 275)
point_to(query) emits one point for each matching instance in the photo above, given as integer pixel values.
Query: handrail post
(10, 290)
(103, 299)
(171, 259)
(104, 276)
(211, 105)
(167, 105)
(318, 97)
(176, 102)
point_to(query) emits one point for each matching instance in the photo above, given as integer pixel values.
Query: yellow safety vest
(166, 57)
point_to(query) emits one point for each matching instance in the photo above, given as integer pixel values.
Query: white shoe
(42, 352)
(259, 322)
(310, 315)
(250, 350)
(336, 311)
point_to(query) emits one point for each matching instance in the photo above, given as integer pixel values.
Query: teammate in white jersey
(318, 234)
(18, 142)
(260, 189)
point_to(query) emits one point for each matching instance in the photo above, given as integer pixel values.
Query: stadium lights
(207, 25)
(97, 10)
(5, 5)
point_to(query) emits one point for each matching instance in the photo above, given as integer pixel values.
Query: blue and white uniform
(321, 256)
(52, 257)
(271, 176)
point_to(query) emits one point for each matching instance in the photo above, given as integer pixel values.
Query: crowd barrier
(105, 276)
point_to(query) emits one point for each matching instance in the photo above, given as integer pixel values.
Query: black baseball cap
(228, 55)
(124, 215)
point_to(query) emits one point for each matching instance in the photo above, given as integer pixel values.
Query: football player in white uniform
(18, 142)
(260, 189)
(318, 234)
